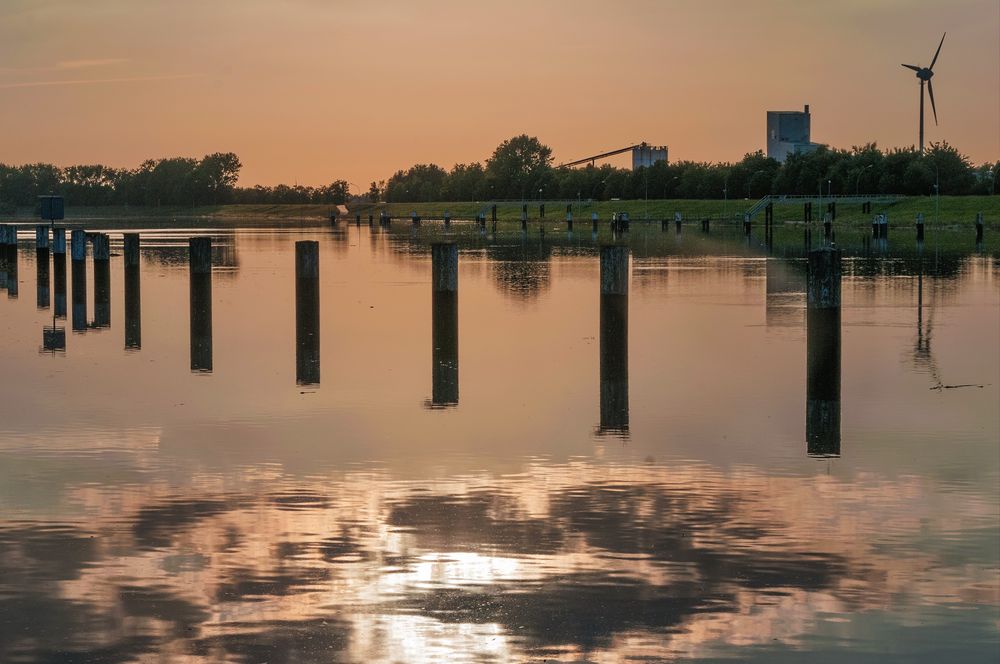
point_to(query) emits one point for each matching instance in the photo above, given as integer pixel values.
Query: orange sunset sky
(310, 91)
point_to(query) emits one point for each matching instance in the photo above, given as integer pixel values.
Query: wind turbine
(925, 74)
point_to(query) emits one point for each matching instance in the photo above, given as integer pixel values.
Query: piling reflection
(307, 338)
(79, 296)
(59, 284)
(614, 340)
(200, 268)
(102, 293)
(823, 354)
(42, 292)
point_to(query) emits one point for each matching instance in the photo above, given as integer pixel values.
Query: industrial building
(788, 132)
(647, 155)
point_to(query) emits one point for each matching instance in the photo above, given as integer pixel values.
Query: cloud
(90, 81)
(91, 62)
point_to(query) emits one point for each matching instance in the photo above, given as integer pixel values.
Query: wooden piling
(133, 292)
(307, 317)
(444, 324)
(200, 274)
(41, 236)
(823, 354)
(78, 244)
(59, 240)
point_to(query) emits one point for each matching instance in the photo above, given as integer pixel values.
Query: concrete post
(59, 281)
(101, 246)
(42, 278)
(41, 236)
(307, 352)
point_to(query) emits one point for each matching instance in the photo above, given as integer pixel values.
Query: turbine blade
(938, 52)
(913, 67)
(930, 89)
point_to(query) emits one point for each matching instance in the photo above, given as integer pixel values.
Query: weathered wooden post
(59, 240)
(823, 352)
(10, 260)
(101, 247)
(827, 225)
(883, 226)
(920, 227)
(200, 272)
(524, 218)
(307, 353)
(979, 228)
(133, 292)
(78, 296)
(569, 217)
(444, 324)
(41, 236)
(42, 277)
(614, 339)
(746, 225)
(494, 208)
(593, 223)
(678, 220)
(447, 219)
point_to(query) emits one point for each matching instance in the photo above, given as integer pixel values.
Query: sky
(310, 91)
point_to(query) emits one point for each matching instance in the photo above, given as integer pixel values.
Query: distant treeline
(177, 181)
(519, 169)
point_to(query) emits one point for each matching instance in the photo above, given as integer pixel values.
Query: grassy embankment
(953, 210)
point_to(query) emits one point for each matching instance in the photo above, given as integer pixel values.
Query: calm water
(516, 498)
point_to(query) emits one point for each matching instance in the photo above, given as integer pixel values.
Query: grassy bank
(953, 210)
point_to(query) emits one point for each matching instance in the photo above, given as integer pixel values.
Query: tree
(217, 174)
(518, 165)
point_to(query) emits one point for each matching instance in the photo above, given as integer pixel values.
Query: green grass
(953, 210)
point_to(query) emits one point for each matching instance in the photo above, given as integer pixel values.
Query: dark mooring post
(78, 256)
(678, 221)
(42, 278)
(102, 279)
(823, 353)
(444, 324)
(920, 227)
(979, 228)
(133, 292)
(59, 271)
(614, 339)
(10, 260)
(307, 312)
(42, 236)
(200, 268)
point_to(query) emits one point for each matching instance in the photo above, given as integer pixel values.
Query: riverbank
(949, 210)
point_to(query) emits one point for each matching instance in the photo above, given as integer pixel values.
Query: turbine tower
(925, 74)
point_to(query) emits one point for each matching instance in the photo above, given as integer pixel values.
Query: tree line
(520, 168)
(177, 181)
